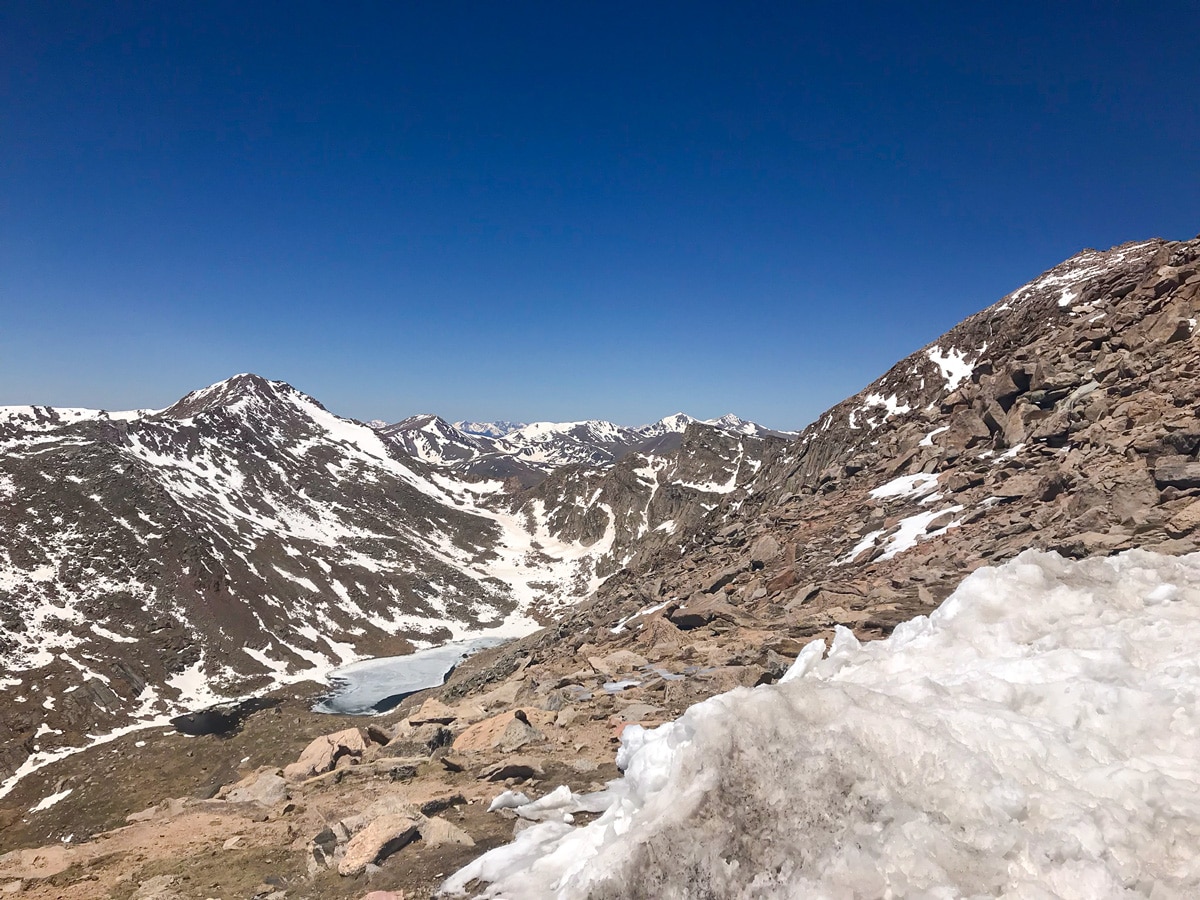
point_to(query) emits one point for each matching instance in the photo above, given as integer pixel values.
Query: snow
(1038, 735)
(914, 528)
(647, 611)
(927, 441)
(953, 364)
(891, 404)
(47, 802)
(868, 540)
(906, 486)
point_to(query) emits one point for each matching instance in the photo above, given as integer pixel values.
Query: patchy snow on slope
(915, 528)
(906, 486)
(892, 406)
(953, 364)
(1038, 735)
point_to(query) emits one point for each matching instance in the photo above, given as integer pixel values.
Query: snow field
(1038, 735)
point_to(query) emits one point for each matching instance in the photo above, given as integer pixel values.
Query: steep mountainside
(1064, 417)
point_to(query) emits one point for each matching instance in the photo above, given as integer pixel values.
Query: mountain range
(245, 537)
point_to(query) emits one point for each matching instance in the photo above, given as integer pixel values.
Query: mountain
(239, 538)
(246, 537)
(524, 455)
(1061, 420)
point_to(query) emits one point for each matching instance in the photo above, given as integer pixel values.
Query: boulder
(323, 753)
(765, 550)
(376, 841)
(265, 788)
(617, 662)
(714, 583)
(1177, 471)
(1186, 520)
(420, 741)
(433, 712)
(437, 831)
(782, 581)
(507, 731)
(518, 768)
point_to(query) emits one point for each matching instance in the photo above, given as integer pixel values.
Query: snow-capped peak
(676, 423)
(489, 429)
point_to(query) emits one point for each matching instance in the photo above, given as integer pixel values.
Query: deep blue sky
(560, 210)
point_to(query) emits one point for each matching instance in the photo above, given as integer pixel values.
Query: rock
(1027, 484)
(157, 888)
(454, 763)
(1177, 471)
(519, 768)
(687, 617)
(437, 831)
(433, 712)
(616, 663)
(764, 550)
(638, 712)
(782, 581)
(714, 583)
(378, 840)
(384, 895)
(323, 753)
(420, 741)
(660, 632)
(440, 804)
(265, 788)
(1186, 520)
(1090, 543)
(507, 731)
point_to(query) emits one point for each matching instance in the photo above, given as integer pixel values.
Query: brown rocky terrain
(1065, 417)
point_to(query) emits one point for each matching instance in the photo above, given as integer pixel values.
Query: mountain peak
(489, 429)
(238, 392)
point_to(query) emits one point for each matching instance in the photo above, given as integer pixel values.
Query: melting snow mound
(1038, 735)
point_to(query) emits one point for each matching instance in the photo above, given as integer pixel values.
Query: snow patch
(1037, 735)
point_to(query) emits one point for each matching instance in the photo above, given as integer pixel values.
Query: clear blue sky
(560, 210)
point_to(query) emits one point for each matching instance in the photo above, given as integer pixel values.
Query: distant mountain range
(527, 453)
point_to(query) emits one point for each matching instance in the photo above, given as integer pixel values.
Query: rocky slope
(1064, 417)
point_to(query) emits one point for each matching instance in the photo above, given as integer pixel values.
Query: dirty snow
(1038, 735)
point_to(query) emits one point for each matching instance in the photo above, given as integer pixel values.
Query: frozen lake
(376, 685)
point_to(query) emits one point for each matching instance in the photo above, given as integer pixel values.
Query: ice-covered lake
(376, 685)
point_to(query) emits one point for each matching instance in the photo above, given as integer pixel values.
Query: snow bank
(1037, 736)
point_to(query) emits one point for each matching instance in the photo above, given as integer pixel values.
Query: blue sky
(560, 211)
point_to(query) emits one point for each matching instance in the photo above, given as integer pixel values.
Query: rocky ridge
(1063, 417)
